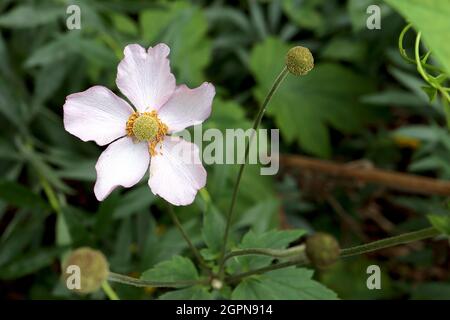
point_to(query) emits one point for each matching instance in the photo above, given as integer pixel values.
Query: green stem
(51, 196)
(422, 71)
(272, 267)
(119, 278)
(417, 57)
(279, 79)
(109, 291)
(276, 253)
(405, 56)
(390, 242)
(365, 248)
(187, 239)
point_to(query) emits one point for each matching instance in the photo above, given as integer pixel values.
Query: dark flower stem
(194, 250)
(279, 79)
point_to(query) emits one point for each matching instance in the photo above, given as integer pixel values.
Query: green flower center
(145, 127)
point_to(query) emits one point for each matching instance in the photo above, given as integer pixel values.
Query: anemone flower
(141, 137)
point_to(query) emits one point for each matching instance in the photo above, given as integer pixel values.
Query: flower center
(146, 127)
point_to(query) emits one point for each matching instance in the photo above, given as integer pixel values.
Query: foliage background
(361, 103)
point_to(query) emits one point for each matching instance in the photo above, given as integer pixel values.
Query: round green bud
(299, 61)
(91, 267)
(322, 249)
(145, 127)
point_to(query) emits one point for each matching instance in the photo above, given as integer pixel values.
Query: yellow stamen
(148, 127)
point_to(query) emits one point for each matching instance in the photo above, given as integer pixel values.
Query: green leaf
(213, 229)
(273, 239)
(191, 293)
(138, 199)
(122, 247)
(21, 232)
(124, 24)
(74, 220)
(430, 91)
(262, 216)
(27, 16)
(30, 263)
(345, 49)
(284, 284)
(176, 269)
(306, 14)
(183, 27)
(440, 222)
(431, 18)
(303, 107)
(19, 196)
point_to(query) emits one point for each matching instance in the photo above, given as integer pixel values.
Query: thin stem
(405, 56)
(279, 79)
(272, 267)
(390, 242)
(417, 56)
(187, 239)
(297, 250)
(120, 278)
(422, 71)
(365, 248)
(51, 196)
(112, 295)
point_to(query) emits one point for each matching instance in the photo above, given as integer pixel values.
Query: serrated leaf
(303, 107)
(284, 284)
(275, 239)
(191, 293)
(176, 269)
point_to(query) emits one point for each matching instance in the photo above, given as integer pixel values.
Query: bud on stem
(299, 61)
(322, 250)
(93, 267)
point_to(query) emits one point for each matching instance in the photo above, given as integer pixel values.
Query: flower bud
(299, 61)
(93, 269)
(322, 249)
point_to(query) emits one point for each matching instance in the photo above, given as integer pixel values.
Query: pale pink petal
(187, 107)
(144, 77)
(96, 114)
(176, 172)
(123, 163)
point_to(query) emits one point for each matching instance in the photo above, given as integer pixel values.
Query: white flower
(139, 138)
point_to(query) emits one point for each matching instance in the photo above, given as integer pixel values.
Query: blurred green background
(361, 103)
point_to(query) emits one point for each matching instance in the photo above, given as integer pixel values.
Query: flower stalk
(275, 253)
(390, 242)
(112, 295)
(352, 251)
(279, 79)
(123, 279)
(194, 250)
